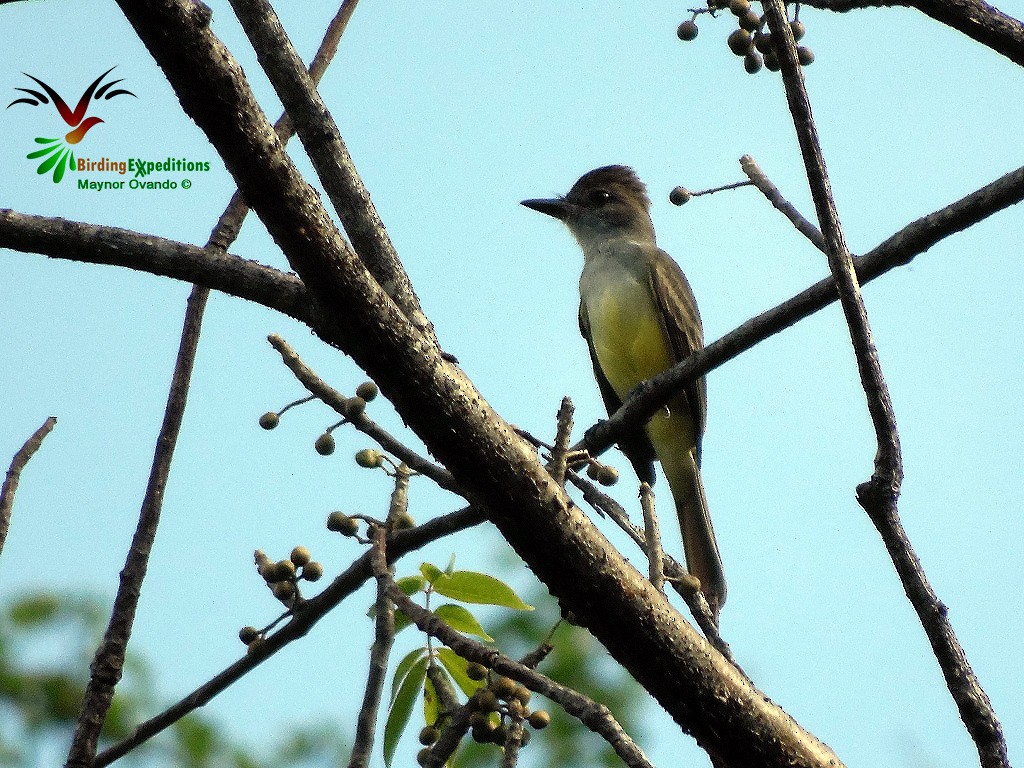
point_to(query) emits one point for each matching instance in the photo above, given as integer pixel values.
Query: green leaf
(35, 609)
(403, 669)
(431, 572)
(401, 708)
(431, 703)
(401, 621)
(410, 585)
(461, 620)
(456, 666)
(473, 587)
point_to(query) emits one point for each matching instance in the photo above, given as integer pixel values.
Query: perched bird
(639, 317)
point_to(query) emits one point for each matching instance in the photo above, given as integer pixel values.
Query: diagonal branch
(896, 251)
(974, 18)
(10, 486)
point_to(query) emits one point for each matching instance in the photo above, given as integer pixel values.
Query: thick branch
(974, 18)
(701, 690)
(210, 267)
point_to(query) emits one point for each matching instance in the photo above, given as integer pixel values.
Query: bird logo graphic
(57, 154)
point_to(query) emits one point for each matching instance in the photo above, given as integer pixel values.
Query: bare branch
(10, 486)
(770, 191)
(383, 639)
(898, 250)
(974, 18)
(879, 495)
(330, 157)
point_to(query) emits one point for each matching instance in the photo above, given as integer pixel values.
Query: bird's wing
(682, 325)
(634, 444)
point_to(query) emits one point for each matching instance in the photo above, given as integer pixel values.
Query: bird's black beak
(556, 207)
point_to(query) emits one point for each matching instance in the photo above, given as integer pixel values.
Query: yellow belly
(627, 336)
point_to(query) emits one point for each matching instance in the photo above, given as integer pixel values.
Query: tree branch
(10, 486)
(975, 18)
(898, 250)
(879, 495)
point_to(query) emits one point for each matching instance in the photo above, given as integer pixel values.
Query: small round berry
(368, 391)
(805, 55)
(763, 42)
(248, 634)
(487, 701)
(429, 735)
(284, 569)
(739, 7)
(269, 420)
(354, 406)
(480, 719)
(423, 755)
(687, 30)
(312, 571)
(798, 29)
(753, 62)
(740, 42)
(324, 444)
(283, 590)
(678, 196)
(750, 21)
(504, 688)
(368, 458)
(339, 522)
(522, 693)
(608, 475)
(300, 556)
(268, 571)
(771, 62)
(499, 735)
(481, 733)
(539, 719)
(516, 709)
(476, 671)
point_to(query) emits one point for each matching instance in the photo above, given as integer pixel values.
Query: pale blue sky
(453, 113)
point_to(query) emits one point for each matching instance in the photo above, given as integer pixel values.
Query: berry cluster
(500, 701)
(750, 39)
(282, 577)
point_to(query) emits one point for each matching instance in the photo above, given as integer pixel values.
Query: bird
(639, 317)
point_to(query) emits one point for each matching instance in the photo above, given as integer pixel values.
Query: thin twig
(108, 662)
(592, 714)
(770, 191)
(383, 639)
(879, 495)
(563, 434)
(10, 486)
(682, 582)
(652, 537)
(337, 401)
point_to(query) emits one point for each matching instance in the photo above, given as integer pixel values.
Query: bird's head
(605, 203)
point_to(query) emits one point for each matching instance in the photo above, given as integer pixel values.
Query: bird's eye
(599, 197)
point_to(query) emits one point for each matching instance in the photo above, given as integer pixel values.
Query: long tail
(702, 558)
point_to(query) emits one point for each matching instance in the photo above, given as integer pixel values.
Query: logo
(57, 154)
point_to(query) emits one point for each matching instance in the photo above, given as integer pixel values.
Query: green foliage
(40, 701)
